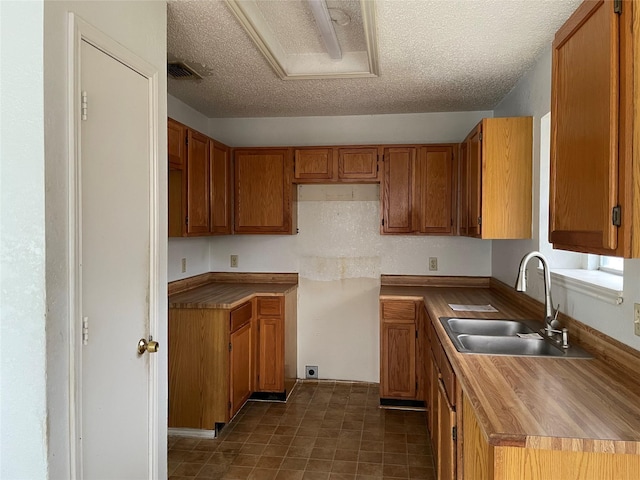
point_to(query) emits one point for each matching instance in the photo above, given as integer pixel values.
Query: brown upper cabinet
(263, 191)
(418, 191)
(336, 165)
(592, 189)
(199, 183)
(495, 179)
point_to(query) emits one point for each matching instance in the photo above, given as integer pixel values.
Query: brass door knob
(150, 346)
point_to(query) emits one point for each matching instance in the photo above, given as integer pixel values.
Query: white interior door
(115, 205)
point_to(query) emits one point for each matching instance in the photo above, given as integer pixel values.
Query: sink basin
(495, 345)
(474, 326)
(499, 337)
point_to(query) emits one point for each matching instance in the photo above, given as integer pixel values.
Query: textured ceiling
(434, 56)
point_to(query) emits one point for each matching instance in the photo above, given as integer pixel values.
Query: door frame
(79, 31)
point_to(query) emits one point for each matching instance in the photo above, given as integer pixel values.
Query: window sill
(594, 283)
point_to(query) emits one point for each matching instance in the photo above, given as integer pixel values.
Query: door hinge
(454, 433)
(83, 105)
(617, 6)
(85, 330)
(616, 216)
(230, 346)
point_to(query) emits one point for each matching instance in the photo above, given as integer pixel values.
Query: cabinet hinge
(186, 140)
(186, 220)
(416, 334)
(480, 136)
(229, 346)
(383, 222)
(294, 167)
(83, 105)
(617, 6)
(479, 220)
(616, 216)
(229, 405)
(454, 433)
(416, 385)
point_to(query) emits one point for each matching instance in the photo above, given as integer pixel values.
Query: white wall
(532, 96)
(196, 249)
(139, 26)
(345, 130)
(23, 420)
(339, 253)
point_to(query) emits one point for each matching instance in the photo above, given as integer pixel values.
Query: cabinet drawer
(269, 306)
(240, 316)
(398, 310)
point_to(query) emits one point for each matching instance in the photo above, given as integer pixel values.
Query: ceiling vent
(182, 71)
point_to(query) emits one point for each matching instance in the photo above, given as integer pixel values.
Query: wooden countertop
(543, 403)
(227, 295)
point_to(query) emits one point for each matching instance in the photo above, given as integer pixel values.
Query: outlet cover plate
(234, 261)
(636, 318)
(433, 264)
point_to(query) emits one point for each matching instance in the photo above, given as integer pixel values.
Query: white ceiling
(434, 56)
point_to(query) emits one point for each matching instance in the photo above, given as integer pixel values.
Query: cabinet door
(398, 363)
(263, 191)
(177, 146)
(240, 366)
(220, 188)
(434, 416)
(397, 190)
(177, 178)
(584, 130)
(198, 187)
(271, 357)
(358, 163)
(435, 186)
(464, 189)
(447, 440)
(474, 182)
(313, 164)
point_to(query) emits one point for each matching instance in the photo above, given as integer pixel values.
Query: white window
(613, 265)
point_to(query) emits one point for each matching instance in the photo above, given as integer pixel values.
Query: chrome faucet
(551, 323)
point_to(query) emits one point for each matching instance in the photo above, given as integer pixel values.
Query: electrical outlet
(234, 261)
(184, 265)
(311, 371)
(433, 264)
(636, 318)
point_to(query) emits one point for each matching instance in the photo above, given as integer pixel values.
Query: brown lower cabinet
(219, 358)
(402, 367)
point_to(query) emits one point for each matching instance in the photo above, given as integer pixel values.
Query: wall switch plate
(311, 371)
(433, 264)
(184, 265)
(234, 261)
(636, 318)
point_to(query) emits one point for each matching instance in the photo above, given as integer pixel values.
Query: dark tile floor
(326, 431)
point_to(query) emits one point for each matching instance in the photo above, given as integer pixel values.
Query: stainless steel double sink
(500, 337)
